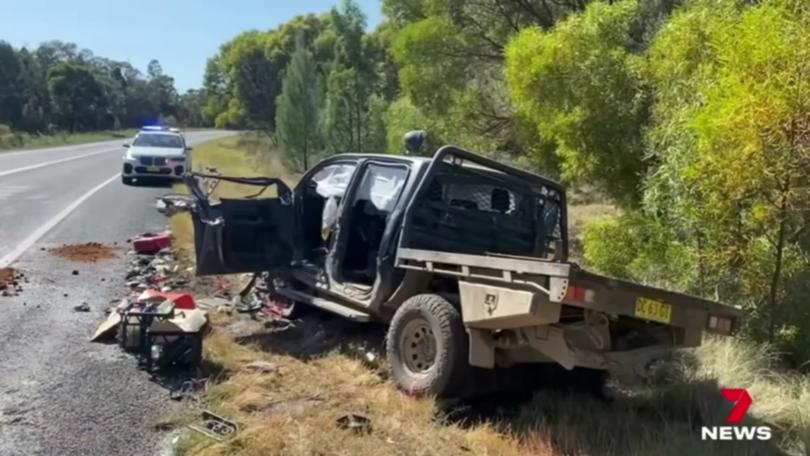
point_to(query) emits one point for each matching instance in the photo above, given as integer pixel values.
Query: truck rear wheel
(427, 346)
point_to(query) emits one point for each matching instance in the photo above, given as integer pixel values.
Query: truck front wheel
(427, 346)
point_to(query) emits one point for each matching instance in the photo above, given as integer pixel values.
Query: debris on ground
(212, 303)
(157, 270)
(89, 252)
(162, 327)
(151, 243)
(180, 300)
(83, 307)
(190, 389)
(215, 426)
(358, 423)
(261, 367)
(107, 328)
(258, 298)
(173, 203)
(11, 281)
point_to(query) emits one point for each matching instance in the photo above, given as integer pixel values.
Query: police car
(155, 153)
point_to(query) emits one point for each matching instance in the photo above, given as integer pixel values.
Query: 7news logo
(742, 401)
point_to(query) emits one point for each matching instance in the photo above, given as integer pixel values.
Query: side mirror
(126, 145)
(189, 148)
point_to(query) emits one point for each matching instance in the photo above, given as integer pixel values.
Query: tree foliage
(451, 57)
(583, 88)
(244, 79)
(58, 86)
(299, 105)
(79, 100)
(728, 144)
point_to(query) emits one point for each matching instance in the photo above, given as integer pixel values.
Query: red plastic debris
(150, 243)
(181, 300)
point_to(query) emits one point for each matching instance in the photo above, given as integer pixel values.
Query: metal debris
(190, 389)
(261, 367)
(358, 423)
(174, 203)
(215, 427)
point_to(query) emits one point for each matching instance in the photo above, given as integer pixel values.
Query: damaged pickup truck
(464, 258)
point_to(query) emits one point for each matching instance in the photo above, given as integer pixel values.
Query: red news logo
(742, 401)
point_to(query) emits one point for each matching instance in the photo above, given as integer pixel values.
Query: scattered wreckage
(164, 329)
(465, 258)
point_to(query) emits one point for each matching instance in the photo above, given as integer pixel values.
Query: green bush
(633, 246)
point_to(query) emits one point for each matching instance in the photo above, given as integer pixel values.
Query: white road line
(43, 230)
(53, 162)
(66, 148)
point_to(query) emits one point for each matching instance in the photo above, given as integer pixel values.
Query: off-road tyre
(446, 373)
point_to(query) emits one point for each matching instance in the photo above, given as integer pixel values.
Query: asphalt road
(59, 393)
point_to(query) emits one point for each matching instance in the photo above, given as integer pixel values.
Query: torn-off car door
(249, 234)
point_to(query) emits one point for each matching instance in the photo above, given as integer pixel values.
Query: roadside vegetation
(16, 141)
(687, 119)
(53, 91)
(323, 372)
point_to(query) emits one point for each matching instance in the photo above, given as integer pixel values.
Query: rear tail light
(579, 294)
(720, 325)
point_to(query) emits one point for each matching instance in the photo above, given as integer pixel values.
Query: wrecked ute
(465, 258)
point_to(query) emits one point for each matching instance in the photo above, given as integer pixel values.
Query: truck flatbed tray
(460, 263)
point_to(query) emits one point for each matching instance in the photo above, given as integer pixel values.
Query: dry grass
(665, 419)
(293, 411)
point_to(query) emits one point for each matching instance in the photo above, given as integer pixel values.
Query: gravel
(59, 393)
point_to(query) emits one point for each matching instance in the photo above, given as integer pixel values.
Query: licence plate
(153, 169)
(650, 309)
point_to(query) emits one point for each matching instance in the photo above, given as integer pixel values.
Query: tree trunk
(778, 258)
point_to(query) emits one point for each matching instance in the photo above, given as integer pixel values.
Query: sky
(181, 34)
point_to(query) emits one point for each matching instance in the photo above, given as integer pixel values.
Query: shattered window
(333, 180)
(382, 185)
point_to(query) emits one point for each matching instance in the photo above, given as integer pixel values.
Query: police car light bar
(153, 128)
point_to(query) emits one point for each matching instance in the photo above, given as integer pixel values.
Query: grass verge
(22, 141)
(293, 410)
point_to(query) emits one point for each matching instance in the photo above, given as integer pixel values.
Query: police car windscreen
(147, 140)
